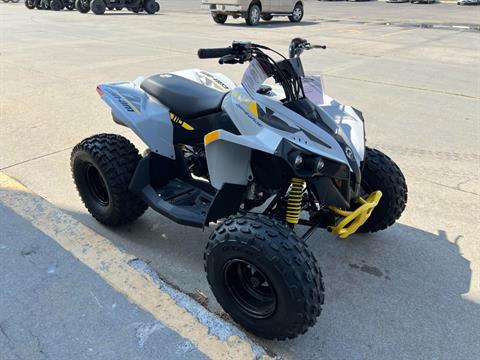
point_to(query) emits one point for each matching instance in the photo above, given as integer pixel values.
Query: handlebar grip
(213, 53)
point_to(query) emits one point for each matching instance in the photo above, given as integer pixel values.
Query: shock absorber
(294, 201)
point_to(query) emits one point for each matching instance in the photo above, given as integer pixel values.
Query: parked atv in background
(39, 4)
(99, 7)
(12, 1)
(57, 5)
(256, 160)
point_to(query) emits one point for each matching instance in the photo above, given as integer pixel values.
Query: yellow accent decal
(176, 119)
(131, 105)
(186, 126)
(354, 219)
(219, 86)
(253, 108)
(211, 137)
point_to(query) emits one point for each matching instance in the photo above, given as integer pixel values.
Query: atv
(57, 5)
(12, 1)
(257, 160)
(99, 7)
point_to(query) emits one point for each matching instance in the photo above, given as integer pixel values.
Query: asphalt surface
(411, 291)
(54, 307)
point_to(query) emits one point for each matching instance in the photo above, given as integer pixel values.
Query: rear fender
(146, 116)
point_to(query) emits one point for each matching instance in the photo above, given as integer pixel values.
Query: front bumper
(222, 8)
(352, 220)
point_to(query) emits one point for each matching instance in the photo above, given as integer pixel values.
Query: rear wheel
(30, 4)
(264, 276)
(297, 13)
(98, 7)
(102, 167)
(219, 18)
(83, 6)
(56, 5)
(150, 6)
(381, 173)
(253, 15)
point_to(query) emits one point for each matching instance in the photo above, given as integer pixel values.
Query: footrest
(183, 202)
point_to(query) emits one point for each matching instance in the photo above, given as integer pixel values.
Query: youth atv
(257, 160)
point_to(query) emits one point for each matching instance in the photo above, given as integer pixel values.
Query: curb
(210, 334)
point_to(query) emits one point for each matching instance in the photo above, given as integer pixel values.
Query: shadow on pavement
(271, 24)
(400, 290)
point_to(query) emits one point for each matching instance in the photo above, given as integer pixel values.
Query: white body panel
(228, 157)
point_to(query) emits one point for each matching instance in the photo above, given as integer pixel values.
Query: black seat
(185, 98)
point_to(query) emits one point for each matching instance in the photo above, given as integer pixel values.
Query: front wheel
(381, 173)
(219, 18)
(56, 5)
(150, 6)
(98, 7)
(30, 4)
(264, 276)
(82, 6)
(297, 13)
(253, 15)
(102, 168)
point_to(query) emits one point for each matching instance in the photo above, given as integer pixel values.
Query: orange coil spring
(294, 201)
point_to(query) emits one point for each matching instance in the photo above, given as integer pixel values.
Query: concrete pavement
(48, 292)
(54, 307)
(409, 292)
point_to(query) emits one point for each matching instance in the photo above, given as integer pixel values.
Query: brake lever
(228, 59)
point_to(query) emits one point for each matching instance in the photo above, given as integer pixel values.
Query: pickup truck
(254, 10)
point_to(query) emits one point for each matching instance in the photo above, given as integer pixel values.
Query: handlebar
(214, 53)
(287, 72)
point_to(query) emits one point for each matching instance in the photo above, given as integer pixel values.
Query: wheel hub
(250, 288)
(97, 185)
(297, 13)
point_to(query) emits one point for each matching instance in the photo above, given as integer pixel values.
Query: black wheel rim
(96, 185)
(250, 289)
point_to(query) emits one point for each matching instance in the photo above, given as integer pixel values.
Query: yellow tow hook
(352, 220)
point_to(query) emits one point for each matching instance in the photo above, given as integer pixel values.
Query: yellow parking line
(397, 32)
(100, 255)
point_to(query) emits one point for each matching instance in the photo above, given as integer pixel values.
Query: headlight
(319, 165)
(298, 162)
